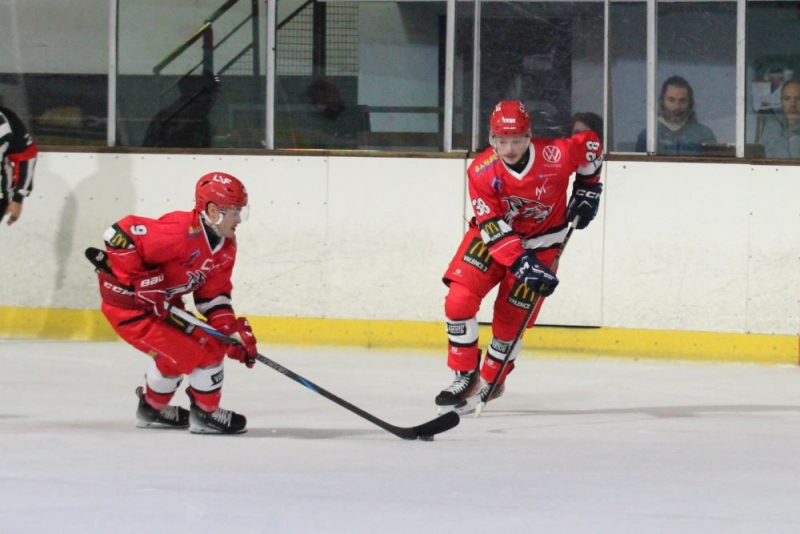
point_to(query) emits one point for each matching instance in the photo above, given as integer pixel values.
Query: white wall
(701, 247)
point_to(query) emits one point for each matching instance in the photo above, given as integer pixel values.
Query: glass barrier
(696, 73)
(360, 75)
(627, 44)
(371, 74)
(772, 114)
(190, 78)
(547, 54)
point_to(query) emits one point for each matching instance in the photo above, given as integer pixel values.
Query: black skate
(169, 417)
(465, 384)
(217, 422)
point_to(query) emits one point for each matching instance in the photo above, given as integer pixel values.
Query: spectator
(678, 131)
(587, 122)
(185, 124)
(17, 160)
(781, 133)
(334, 124)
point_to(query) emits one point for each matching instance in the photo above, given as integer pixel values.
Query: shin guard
(206, 386)
(462, 344)
(160, 389)
(498, 349)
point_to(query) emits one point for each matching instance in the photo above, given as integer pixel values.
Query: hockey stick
(521, 331)
(188, 322)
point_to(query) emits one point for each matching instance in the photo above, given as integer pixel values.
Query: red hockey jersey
(528, 210)
(178, 245)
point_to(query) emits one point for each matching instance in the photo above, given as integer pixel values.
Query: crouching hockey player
(518, 188)
(156, 262)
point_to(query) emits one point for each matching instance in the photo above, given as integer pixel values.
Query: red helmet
(220, 188)
(510, 118)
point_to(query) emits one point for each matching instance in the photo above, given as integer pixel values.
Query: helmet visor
(242, 212)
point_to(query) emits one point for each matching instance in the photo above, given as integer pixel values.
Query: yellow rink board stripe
(90, 325)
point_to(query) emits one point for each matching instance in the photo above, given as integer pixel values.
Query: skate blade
(213, 431)
(160, 426)
(467, 406)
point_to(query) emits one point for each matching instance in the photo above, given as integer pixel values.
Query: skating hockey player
(518, 188)
(158, 261)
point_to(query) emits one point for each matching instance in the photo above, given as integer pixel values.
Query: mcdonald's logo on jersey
(521, 296)
(478, 255)
(493, 230)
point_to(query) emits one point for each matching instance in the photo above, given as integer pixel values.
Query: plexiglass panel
(547, 54)
(190, 75)
(696, 79)
(360, 75)
(627, 74)
(772, 120)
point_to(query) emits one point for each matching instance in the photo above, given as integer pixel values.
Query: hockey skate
(464, 385)
(219, 421)
(468, 405)
(169, 417)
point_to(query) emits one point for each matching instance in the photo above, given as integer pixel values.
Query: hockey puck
(425, 438)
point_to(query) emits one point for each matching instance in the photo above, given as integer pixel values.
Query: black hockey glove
(534, 274)
(584, 203)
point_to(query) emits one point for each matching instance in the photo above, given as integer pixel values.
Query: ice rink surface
(583, 446)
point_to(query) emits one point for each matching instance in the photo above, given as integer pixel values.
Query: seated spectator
(678, 131)
(587, 121)
(184, 123)
(781, 133)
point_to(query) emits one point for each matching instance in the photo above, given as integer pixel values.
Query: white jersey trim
(546, 240)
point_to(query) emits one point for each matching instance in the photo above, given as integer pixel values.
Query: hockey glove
(584, 203)
(149, 291)
(534, 274)
(245, 351)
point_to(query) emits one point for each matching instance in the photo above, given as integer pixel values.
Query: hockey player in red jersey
(158, 261)
(518, 189)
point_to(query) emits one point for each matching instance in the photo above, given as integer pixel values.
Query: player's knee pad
(207, 379)
(158, 383)
(461, 302)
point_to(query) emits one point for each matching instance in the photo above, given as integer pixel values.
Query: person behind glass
(518, 190)
(155, 262)
(587, 121)
(781, 133)
(678, 131)
(184, 123)
(18, 155)
(333, 123)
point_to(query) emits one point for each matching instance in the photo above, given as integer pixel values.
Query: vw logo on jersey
(551, 154)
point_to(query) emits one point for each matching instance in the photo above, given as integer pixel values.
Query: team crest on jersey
(195, 231)
(478, 256)
(518, 207)
(196, 279)
(477, 169)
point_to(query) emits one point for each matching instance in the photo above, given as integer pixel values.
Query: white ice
(574, 446)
